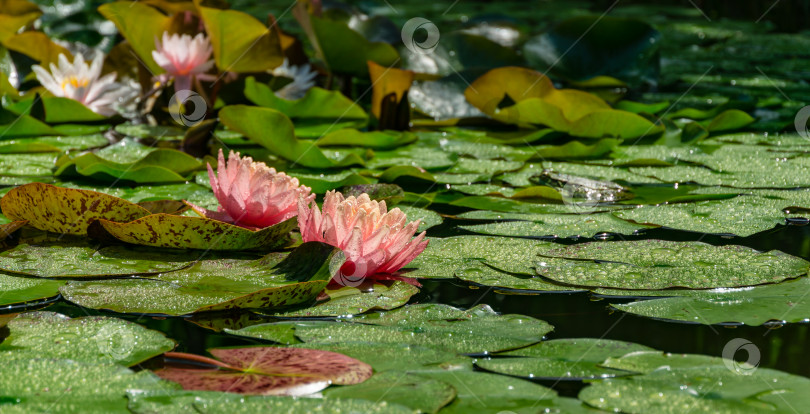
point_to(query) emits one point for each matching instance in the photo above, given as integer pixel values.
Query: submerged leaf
(268, 371)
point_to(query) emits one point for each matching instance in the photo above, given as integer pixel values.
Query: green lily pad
(321, 182)
(477, 330)
(657, 264)
(86, 339)
(52, 144)
(14, 289)
(563, 359)
(65, 210)
(483, 392)
(368, 296)
(158, 166)
(490, 261)
(556, 225)
(21, 165)
(384, 356)
(677, 390)
(427, 218)
(166, 230)
(209, 402)
(267, 371)
(254, 122)
(62, 385)
(422, 394)
(374, 139)
(318, 103)
(783, 302)
(217, 284)
(71, 259)
(744, 215)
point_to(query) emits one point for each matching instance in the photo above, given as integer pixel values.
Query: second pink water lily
(376, 242)
(183, 57)
(251, 194)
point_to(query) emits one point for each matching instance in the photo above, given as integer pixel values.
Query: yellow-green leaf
(166, 230)
(65, 210)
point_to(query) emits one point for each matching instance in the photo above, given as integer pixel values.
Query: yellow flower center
(75, 82)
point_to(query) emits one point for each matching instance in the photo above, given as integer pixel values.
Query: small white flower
(303, 79)
(82, 82)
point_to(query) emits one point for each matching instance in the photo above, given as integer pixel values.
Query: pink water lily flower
(376, 242)
(251, 194)
(84, 83)
(183, 57)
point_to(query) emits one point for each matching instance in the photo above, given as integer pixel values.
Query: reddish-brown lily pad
(65, 210)
(166, 230)
(265, 370)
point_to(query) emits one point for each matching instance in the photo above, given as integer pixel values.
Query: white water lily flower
(303, 79)
(84, 83)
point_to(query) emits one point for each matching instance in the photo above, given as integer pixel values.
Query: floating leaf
(477, 330)
(676, 390)
(21, 289)
(563, 359)
(744, 215)
(58, 110)
(483, 392)
(158, 166)
(85, 339)
(217, 284)
(386, 356)
(783, 302)
(422, 394)
(658, 264)
(69, 259)
(228, 403)
(269, 371)
(368, 296)
(486, 260)
(63, 385)
(556, 225)
(65, 210)
(166, 230)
